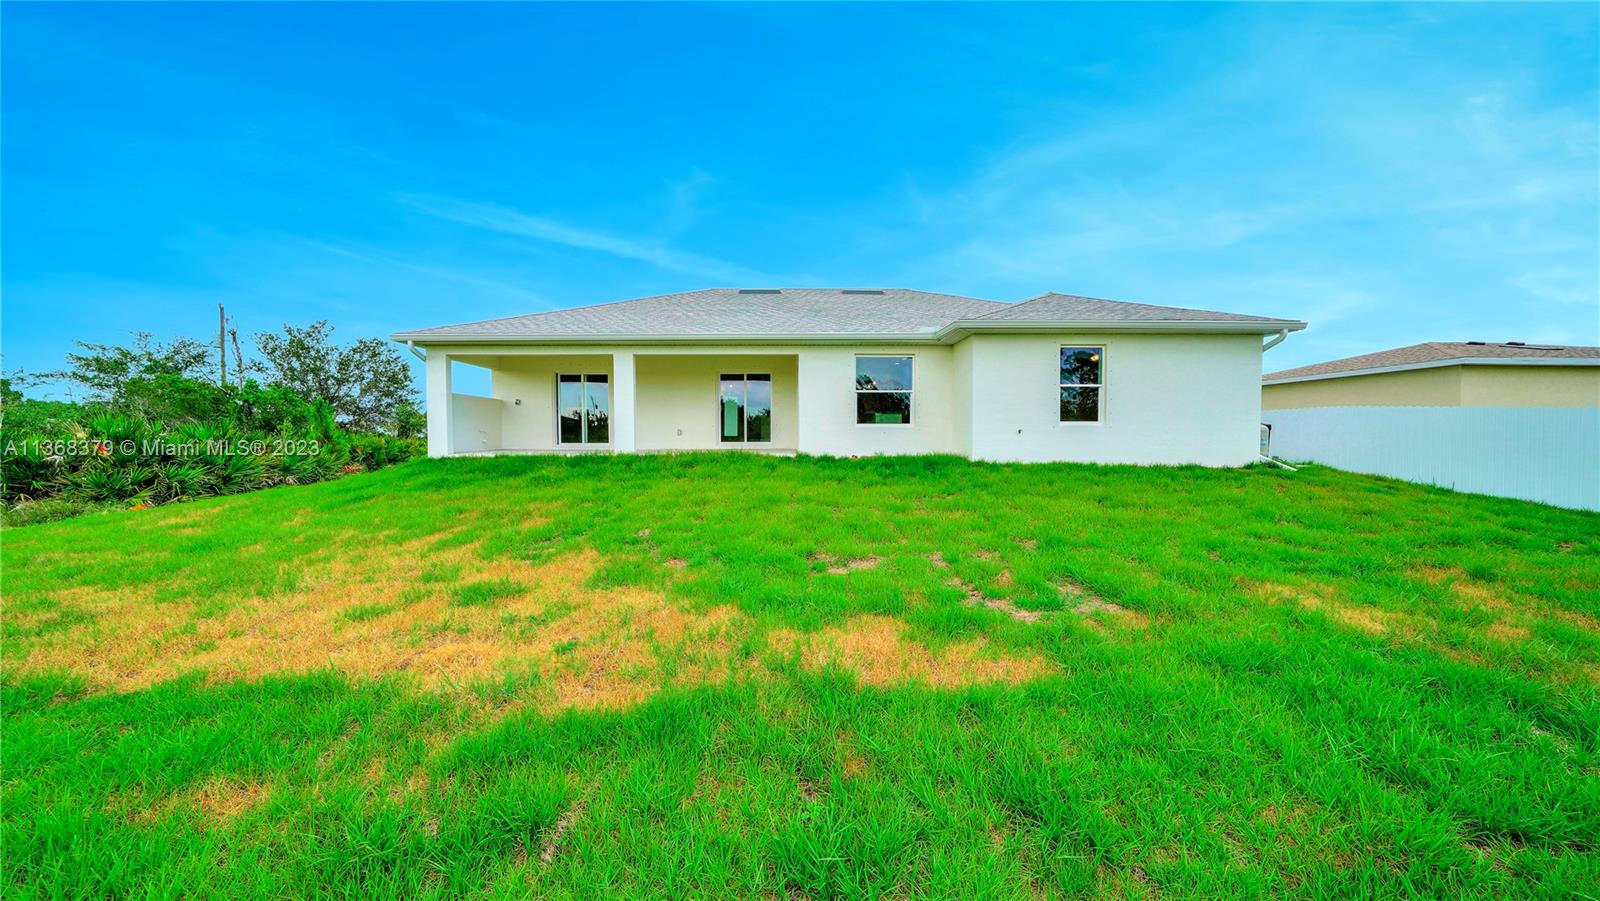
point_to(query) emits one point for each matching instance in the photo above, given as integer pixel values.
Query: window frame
(1100, 408)
(583, 381)
(911, 393)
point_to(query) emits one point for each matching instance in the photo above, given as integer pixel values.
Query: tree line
(367, 384)
(153, 422)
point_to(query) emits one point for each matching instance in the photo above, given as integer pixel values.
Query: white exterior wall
(1166, 399)
(828, 403)
(679, 400)
(961, 363)
(527, 387)
(1546, 454)
(474, 423)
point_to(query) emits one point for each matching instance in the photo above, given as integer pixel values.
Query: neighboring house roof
(1443, 353)
(765, 314)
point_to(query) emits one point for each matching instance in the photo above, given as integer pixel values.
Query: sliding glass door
(583, 409)
(744, 408)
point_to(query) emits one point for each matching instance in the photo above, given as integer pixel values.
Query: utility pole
(222, 346)
(238, 358)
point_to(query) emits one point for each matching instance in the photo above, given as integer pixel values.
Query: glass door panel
(569, 409)
(583, 409)
(597, 398)
(744, 407)
(758, 407)
(730, 407)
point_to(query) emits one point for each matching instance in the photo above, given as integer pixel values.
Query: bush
(376, 451)
(60, 459)
(49, 510)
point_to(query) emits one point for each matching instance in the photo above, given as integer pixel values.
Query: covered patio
(576, 401)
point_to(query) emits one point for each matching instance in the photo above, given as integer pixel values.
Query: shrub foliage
(157, 437)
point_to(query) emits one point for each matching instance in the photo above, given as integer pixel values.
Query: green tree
(410, 422)
(106, 369)
(366, 384)
(175, 399)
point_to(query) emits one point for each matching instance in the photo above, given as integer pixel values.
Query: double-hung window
(583, 409)
(883, 390)
(1081, 385)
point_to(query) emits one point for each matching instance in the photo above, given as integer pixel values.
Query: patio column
(623, 391)
(438, 381)
(811, 413)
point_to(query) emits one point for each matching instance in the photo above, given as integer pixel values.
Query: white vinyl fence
(1547, 454)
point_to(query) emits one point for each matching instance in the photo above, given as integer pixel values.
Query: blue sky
(1392, 174)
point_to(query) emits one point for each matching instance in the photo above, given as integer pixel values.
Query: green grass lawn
(737, 676)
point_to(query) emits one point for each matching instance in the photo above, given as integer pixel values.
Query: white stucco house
(855, 372)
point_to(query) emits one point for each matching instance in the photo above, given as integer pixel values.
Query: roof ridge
(953, 296)
(1020, 303)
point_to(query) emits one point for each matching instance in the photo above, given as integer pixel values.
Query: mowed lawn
(736, 676)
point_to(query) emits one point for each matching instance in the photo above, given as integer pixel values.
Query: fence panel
(1547, 454)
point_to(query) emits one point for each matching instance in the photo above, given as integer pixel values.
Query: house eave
(1434, 364)
(427, 340)
(962, 328)
(949, 334)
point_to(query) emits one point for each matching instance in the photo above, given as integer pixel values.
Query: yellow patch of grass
(1465, 588)
(1512, 616)
(1366, 618)
(840, 566)
(176, 516)
(1504, 631)
(590, 647)
(218, 800)
(878, 651)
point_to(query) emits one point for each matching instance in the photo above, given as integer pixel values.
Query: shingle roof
(735, 311)
(1073, 308)
(812, 312)
(1440, 352)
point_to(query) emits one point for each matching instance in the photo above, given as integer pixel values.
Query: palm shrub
(238, 472)
(182, 480)
(92, 456)
(107, 482)
(122, 437)
(26, 471)
(303, 469)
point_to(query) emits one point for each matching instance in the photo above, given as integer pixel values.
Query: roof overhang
(1437, 364)
(427, 340)
(961, 328)
(949, 334)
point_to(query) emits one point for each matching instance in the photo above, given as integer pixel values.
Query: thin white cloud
(1325, 193)
(507, 221)
(471, 279)
(684, 198)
